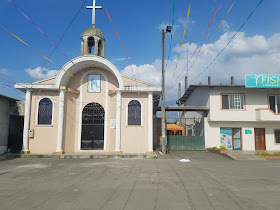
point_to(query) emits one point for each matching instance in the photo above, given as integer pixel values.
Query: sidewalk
(245, 154)
(9, 156)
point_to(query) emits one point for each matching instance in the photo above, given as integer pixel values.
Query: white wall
(199, 97)
(248, 140)
(254, 99)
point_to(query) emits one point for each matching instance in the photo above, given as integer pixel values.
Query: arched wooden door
(93, 127)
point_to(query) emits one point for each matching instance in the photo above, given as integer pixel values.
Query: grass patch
(268, 154)
(219, 148)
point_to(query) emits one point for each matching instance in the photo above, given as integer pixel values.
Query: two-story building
(239, 118)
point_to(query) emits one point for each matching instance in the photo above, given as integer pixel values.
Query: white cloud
(244, 55)
(225, 26)
(183, 21)
(41, 73)
(148, 72)
(118, 59)
(4, 71)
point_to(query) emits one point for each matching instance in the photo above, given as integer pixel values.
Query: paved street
(210, 181)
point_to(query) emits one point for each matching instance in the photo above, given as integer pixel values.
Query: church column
(103, 50)
(85, 46)
(150, 123)
(25, 146)
(82, 47)
(118, 124)
(60, 121)
(96, 47)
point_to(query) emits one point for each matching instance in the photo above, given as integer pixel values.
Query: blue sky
(139, 25)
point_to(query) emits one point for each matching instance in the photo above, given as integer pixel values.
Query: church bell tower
(93, 40)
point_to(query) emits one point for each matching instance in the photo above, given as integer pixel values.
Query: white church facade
(89, 107)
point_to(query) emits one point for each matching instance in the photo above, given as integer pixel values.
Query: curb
(230, 156)
(83, 156)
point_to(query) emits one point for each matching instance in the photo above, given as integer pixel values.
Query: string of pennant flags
(42, 32)
(230, 39)
(184, 34)
(120, 41)
(250, 15)
(48, 59)
(206, 31)
(171, 37)
(199, 55)
(212, 10)
(196, 59)
(39, 53)
(64, 33)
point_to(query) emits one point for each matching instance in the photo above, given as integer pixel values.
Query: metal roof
(9, 98)
(184, 108)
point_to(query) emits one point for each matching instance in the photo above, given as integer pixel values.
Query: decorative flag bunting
(181, 42)
(226, 44)
(212, 9)
(170, 37)
(230, 39)
(29, 19)
(39, 53)
(197, 58)
(206, 31)
(120, 41)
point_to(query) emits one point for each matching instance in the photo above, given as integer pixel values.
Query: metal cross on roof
(93, 7)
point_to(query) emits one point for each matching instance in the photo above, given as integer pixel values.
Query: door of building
(260, 139)
(92, 127)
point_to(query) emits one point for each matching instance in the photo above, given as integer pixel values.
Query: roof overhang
(184, 108)
(153, 89)
(23, 86)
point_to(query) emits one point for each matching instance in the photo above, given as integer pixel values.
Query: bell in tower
(93, 42)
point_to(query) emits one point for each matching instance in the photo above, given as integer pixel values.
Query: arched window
(134, 113)
(45, 110)
(91, 44)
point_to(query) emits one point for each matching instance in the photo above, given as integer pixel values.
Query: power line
(61, 38)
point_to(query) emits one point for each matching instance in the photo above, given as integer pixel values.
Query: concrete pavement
(210, 181)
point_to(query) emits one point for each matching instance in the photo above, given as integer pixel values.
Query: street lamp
(163, 123)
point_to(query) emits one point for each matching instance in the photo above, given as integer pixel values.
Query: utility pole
(163, 123)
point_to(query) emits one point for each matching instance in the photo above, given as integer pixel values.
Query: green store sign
(262, 81)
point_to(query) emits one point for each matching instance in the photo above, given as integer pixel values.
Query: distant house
(239, 118)
(11, 123)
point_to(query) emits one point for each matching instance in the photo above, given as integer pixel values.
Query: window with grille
(134, 113)
(233, 101)
(277, 136)
(274, 104)
(45, 112)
